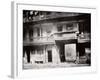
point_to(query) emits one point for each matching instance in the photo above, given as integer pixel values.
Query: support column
(44, 52)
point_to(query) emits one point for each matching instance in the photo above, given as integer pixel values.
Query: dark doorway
(49, 56)
(27, 49)
(62, 53)
(81, 48)
(28, 56)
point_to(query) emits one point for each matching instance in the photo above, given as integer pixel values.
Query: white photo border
(17, 30)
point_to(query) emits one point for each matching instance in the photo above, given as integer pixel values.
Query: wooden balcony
(65, 36)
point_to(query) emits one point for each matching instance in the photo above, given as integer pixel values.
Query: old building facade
(56, 37)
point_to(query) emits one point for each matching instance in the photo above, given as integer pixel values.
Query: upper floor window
(69, 26)
(48, 30)
(60, 27)
(31, 34)
(38, 31)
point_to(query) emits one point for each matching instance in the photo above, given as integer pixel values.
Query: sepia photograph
(54, 39)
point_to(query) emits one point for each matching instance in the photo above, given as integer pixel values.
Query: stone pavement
(51, 65)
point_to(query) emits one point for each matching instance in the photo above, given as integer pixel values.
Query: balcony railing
(39, 39)
(84, 37)
(65, 36)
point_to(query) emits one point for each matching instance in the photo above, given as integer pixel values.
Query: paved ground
(51, 65)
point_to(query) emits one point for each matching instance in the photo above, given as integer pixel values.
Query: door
(70, 52)
(62, 53)
(49, 56)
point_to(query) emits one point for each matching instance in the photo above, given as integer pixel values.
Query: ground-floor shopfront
(69, 51)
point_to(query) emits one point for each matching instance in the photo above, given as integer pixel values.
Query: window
(48, 30)
(31, 34)
(38, 31)
(59, 27)
(69, 26)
